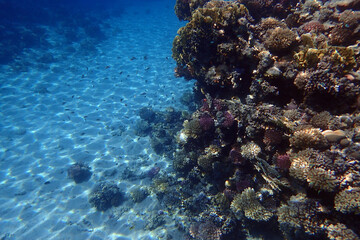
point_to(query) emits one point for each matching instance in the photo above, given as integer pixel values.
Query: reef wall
(273, 149)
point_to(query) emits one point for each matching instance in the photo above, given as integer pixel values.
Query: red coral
(228, 120)
(313, 26)
(283, 162)
(272, 137)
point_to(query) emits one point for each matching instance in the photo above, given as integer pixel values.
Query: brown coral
(321, 120)
(348, 201)
(205, 231)
(340, 232)
(301, 213)
(322, 180)
(312, 26)
(247, 203)
(184, 8)
(280, 40)
(306, 138)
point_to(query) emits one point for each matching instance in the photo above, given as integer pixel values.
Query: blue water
(73, 78)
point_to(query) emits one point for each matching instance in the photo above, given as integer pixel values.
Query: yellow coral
(322, 180)
(306, 138)
(340, 232)
(250, 150)
(247, 203)
(192, 128)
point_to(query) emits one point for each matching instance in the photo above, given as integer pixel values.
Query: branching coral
(250, 150)
(306, 138)
(348, 201)
(340, 232)
(247, 203)
(280, 40)
(300, 213)
(205, 231)
(321, 179)
(311, 166)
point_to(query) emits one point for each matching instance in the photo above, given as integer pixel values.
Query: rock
(345, 142)
(334, 136)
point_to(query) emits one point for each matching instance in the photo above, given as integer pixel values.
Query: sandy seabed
(83, 107)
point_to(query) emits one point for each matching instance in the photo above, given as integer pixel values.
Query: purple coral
(205, 106)
(313, 26)
(283, 162)
(228, 120)
(218, 105)
(206, 122)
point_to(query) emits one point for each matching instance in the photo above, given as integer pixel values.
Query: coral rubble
(275, 138)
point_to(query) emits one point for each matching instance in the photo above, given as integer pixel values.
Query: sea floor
(81, 105)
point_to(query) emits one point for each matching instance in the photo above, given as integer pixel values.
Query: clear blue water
(73, 78)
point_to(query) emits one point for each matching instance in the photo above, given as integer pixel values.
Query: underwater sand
(84, 108)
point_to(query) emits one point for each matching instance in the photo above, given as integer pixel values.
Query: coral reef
(348, 201)
(184, 8)
(277, 130)
(138, 194)
(79, 172)
(161, 126)
(247, 203)
(105, 195)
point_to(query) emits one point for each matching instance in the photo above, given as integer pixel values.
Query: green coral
(198, 47)
(139, 194)
(184, 8)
